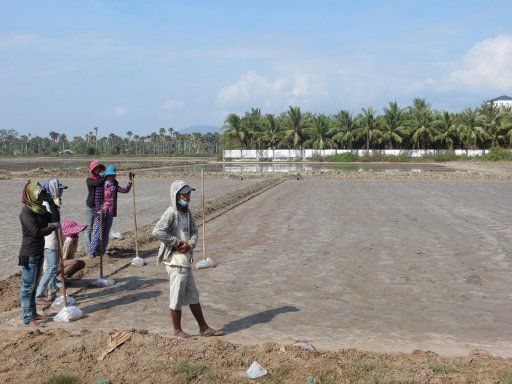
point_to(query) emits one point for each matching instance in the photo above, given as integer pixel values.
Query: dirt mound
(156, 359)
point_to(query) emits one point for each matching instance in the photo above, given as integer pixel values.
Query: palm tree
(493, 122)
(392, 125)
(297, 122)
(129, 134)
(272, 134)
(345, 127)
(471, 127)
(369, 128)
(320, 133)
(233, 129)
(54, 136)
(252, 125)
(96, 136)
(447, 129)
(422, 127)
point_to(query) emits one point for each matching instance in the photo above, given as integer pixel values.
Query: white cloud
(254, 89)
(488, 64)
(120, 111)
(174, 104)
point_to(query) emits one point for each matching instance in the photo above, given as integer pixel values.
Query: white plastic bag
(138, 261)
(98, 283)
(115, 235)
(256, 370)
(202, 264)
(68, 314)
(307, 346)
(59, 302)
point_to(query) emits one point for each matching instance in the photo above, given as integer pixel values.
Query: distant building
(502, 101)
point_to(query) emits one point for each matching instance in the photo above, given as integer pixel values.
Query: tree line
(418, 126)
(161, 143)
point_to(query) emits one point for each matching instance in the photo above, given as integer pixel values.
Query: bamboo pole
(202, 208)
(59, 239)
(135, 219)
(101, 243)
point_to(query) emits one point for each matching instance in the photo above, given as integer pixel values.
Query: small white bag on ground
(59, 302)
(256, 370)
(138, 261)
(99, 283)
(68, 314)
(116, 235)
(202, 264)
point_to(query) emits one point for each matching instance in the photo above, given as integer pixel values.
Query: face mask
(183, 203)
(101, 174)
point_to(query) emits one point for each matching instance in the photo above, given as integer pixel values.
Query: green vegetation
(165, 142)
(414, 127)
(188, 370)
(504, 377)
(441, 368)
(499, 154)
(60, 378)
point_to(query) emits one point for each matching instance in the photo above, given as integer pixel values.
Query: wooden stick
(59, 239)
(135, 219)
(202, 207)
(101, 243)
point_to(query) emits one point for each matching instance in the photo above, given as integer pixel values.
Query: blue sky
(130, 65)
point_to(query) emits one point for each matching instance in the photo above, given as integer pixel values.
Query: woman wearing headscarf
(93, 182)
(52, 203)
(35, 225)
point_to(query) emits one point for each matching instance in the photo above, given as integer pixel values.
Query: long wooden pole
(135, 220)
(101, 243)
(202, 208)
(59, 240)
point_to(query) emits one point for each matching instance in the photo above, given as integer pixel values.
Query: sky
(69, 66)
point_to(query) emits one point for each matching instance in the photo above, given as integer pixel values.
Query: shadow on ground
(257, 318)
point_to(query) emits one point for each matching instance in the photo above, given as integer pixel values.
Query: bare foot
(37, 316)
(182, 335)
(211, 332)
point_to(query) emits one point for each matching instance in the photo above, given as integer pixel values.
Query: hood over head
(93, 165)
(176, 186)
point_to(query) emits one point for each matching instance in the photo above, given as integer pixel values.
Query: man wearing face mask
(178, 234)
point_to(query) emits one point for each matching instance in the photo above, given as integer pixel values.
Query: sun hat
(111, 170)
(70, 227)
(186, 189)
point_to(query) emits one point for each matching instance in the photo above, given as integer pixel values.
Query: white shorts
(182, 287)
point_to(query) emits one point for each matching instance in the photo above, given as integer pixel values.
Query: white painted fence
(303, 154)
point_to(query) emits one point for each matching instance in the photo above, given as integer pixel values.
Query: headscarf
(30, 196)
(93, 165)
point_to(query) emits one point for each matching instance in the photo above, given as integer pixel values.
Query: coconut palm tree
(234, 131)
(369, 127)
(319, 133)
(493, 122)
(344, 126)
(471, 128)
(447, 129)
(421, 124)
(392, 125)
(273, 132)
(296, 123)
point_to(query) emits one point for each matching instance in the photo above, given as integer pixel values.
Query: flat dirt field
(382, 266)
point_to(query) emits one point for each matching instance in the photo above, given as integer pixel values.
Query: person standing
(105, 203)
(93, 182)
(35, 225)
(178, 234)
(52, 203)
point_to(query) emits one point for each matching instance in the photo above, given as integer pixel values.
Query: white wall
(293, 154)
